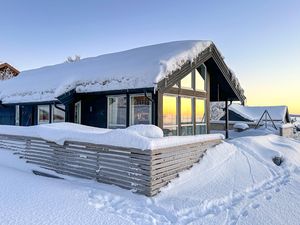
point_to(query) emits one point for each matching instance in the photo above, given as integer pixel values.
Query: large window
(199, 80)
(170, 124)
(58, 115)
(200, 116)
(140, 110)
(186, 116)
(186, 82)
(117, 107)
(43, 114)
(77, 112)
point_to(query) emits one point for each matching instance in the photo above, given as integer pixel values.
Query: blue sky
(259, 39)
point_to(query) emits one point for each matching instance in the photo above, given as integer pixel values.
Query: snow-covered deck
(137, 158)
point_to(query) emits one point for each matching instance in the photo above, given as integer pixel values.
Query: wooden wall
(142, 171)
(7, 115)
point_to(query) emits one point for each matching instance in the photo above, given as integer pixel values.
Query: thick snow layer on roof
(136, 68)
(254, 113)
(132, 137)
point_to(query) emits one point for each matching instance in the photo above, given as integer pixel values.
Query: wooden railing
(144, 171)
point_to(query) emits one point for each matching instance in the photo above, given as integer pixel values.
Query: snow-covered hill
(235, 183)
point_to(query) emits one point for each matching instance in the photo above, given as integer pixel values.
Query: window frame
(192, 81)
(191, 98)
(52, 113)
(184, 92)
(78, 103)
(17, 115)
(108, 114)
(130, 109)
(177, 113)
(204, 115)
(205, 76)
(38, 114)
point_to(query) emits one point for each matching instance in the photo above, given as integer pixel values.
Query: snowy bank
(235, 183)
(145, 137)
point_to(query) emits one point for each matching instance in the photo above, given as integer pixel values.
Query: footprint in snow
(268, 197)
(277, 189)
(285, 182)
(253, 194)
(267, 187)
(245, 213)
(255, 205)
(232, 222)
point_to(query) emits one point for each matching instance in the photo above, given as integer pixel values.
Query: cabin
(169, 85)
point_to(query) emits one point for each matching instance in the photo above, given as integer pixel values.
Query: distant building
(7, 71)
(239, 113)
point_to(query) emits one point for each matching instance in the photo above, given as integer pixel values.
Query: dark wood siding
(7, 115)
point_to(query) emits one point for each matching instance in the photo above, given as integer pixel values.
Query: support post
(226, 119)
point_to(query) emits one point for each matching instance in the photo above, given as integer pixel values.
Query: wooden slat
(143, 171)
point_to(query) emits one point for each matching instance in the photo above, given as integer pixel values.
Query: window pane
(140, 110)
(117, 112)
(17, 119)
(43, 114)
(200, 116)
(200, 81)
(201, 128)
(77, 112)
(186, 82)
(186, 116)
(57, 114)
(170, 115)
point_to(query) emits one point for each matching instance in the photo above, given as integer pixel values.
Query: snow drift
(145, 137)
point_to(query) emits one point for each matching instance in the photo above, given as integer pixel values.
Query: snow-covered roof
(136, 68)
(253, 113)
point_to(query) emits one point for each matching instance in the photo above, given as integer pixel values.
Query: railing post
(227, 119)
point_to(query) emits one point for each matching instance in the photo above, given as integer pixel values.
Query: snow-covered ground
(250, 132)
(235, 183)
